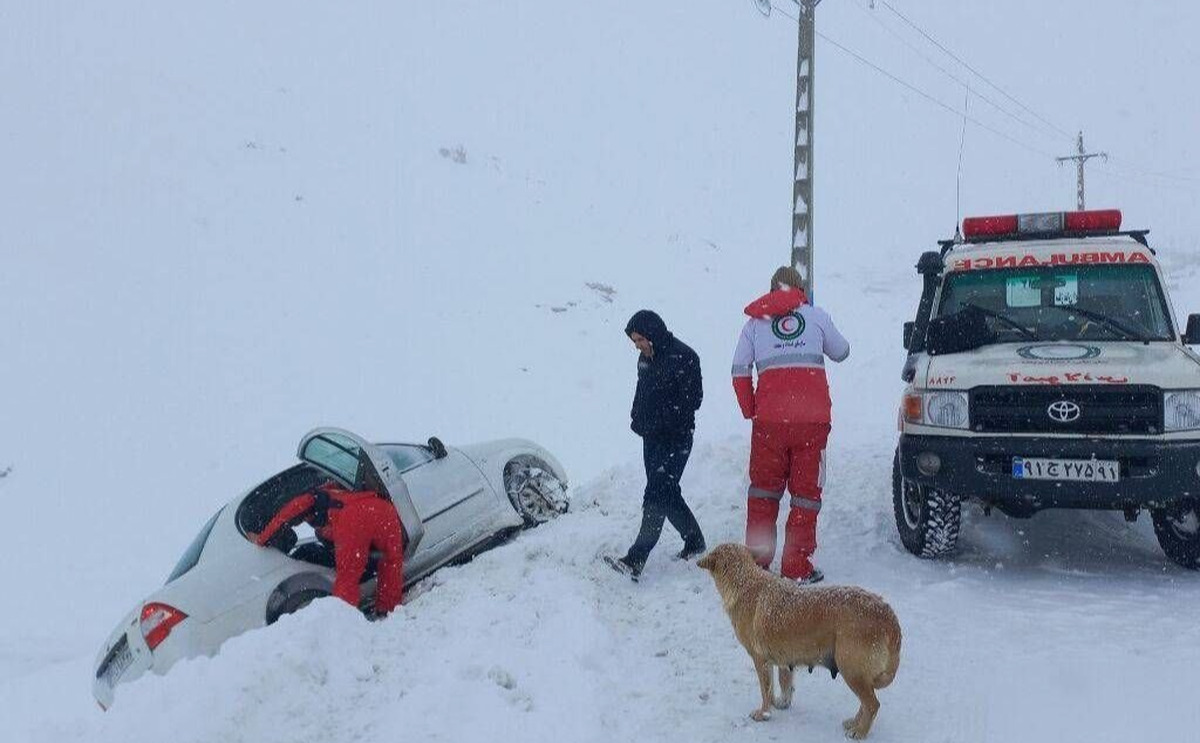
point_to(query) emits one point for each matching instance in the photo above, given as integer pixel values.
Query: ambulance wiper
(1109, 323)
(1006, 320)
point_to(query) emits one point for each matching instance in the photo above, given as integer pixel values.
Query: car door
(345, 455)
(455, 501)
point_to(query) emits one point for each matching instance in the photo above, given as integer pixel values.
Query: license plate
(1075, 470)
(118, 665)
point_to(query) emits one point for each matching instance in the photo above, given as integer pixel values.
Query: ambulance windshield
(1059, 303)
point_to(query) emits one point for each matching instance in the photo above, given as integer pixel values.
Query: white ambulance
(1046, 369)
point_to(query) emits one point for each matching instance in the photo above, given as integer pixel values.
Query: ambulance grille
(1125, 409)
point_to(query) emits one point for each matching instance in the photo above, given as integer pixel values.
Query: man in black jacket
(669, 391)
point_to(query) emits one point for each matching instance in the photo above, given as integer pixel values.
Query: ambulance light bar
(976, 229)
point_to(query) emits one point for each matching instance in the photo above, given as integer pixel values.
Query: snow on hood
(776, 303)
(1161, 364)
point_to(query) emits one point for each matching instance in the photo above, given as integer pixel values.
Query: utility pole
(802, 186)
(1080, 159)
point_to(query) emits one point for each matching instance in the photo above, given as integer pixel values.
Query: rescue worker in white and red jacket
(787, 339)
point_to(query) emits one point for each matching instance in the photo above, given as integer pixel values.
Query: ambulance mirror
(1192, 336)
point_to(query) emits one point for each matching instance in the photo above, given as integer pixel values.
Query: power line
(976, 72)
(922, 93)
(933, 100)
(1136, 177)
(893, 32)
(1153, 174)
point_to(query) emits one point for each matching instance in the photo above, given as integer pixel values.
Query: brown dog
(780, 623)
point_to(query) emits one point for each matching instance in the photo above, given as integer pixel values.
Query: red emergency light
(1045, 223)
(1097, 220)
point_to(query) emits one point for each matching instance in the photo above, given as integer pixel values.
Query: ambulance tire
(927, 518)
(1178, 532)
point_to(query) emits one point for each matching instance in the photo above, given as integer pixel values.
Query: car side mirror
(1192, 336)
(909, 328)
(438, 448)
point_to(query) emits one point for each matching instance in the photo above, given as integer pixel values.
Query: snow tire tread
(943, 517)
(936, 534)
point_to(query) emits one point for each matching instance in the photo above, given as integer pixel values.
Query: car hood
(1162, 364)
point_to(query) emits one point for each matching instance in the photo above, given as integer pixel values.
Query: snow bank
(1056, 628)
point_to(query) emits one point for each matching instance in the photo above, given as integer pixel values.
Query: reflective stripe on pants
(787, 456)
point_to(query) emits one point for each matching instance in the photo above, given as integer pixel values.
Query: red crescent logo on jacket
(788, 327)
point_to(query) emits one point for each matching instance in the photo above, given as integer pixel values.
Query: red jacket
(355, 522)
(787, 340)
(303, 508)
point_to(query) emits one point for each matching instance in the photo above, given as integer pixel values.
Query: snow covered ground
(225, 224)
(1053, 629)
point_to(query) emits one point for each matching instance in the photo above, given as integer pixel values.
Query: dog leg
(787, 687)
(859, 726)
(765, 682)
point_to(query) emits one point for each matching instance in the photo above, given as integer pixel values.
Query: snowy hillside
(227, 223)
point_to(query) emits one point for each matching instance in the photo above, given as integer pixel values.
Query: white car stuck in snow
(452, 502)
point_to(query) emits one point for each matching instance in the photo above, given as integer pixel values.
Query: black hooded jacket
(669, 386)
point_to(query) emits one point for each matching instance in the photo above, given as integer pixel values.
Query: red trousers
(791, 457)
(356, 529)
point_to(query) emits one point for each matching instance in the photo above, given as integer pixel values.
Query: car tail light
(157, 622)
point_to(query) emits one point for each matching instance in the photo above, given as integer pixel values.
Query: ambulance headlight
(1181, 410)
(946, 409)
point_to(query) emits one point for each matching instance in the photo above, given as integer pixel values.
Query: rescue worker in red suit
(787, 339)
(354, 522)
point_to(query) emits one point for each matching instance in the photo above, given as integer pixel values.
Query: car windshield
(1061, 303)
(191, 555)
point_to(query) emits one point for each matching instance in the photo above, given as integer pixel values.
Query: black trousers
(665, 458)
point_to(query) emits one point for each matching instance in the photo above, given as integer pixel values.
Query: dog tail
(892, 663)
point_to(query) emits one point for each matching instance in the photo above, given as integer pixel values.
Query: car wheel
(296, 602)
(535, 491)
(1178, 532)
(927, 518)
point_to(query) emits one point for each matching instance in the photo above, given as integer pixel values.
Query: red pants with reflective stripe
(357, 528)
(791, 457)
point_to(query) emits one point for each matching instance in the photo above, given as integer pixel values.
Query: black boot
(624, 568)
(689, 553)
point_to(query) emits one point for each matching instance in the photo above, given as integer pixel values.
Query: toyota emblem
(1064, 411)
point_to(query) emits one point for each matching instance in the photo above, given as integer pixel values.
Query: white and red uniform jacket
(787, 339)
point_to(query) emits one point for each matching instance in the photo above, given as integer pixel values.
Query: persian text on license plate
(1077, 470)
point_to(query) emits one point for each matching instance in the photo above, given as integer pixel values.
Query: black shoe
(624, 568)
(689, 553)
(816, 576)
